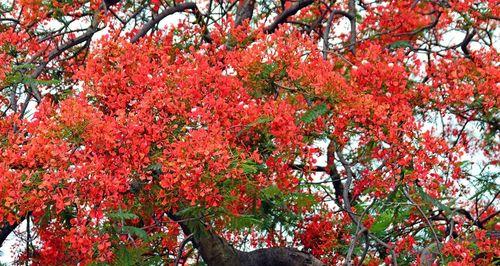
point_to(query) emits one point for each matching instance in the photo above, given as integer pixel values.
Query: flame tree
(250, 132)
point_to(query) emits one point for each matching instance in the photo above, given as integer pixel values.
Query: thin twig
(438, 243)
(181, 248)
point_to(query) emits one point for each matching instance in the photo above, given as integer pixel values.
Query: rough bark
(216, 251)
(245, 11)
(279, 256)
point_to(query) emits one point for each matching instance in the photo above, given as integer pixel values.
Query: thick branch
(281, 18)
(167, 12)
(245, 11)
(278, 256)
(181, 248)
(301, 167)
(216, 251)
(331, 170)
(466, 41)
(213, 249)
(7, 229)
(110, 3)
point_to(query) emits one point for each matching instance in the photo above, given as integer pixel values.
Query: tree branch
(466, 41)
(333, 173)
(7, 229)
(167, 12)
(326, 33)
(216, 251)
(300, 167)
(434, 234)
(352, 12)
(61, 49)
(245, 11)
(181, 248)
(278, 256)
(281, 18)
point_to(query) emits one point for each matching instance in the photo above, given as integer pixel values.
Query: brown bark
(167, 12)
(216, 251)
(245, 11)
(281, 18)
(279, 256)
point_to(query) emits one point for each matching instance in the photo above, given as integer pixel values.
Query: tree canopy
(304, 132)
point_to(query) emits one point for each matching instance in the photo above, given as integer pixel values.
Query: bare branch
(245, 11)
(352, 12)
(438, 243)
(281, 18)
(300, 167)
(61, 49)
(326, 33)
(12, 20)
(181, 248)
(7, 228)
(167, 12)
(466, 41)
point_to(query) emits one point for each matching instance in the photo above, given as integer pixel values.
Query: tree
(250, 132)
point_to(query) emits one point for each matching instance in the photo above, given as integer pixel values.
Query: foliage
(122, 147)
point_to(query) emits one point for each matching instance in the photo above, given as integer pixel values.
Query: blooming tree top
(127, 140)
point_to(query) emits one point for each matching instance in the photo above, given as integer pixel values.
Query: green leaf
(26, 66)
(42, 82)
(359, 18)
(189, 211)
(382, 222)
(135, 231)
(304, 199)
(400, 44)
(122, 215)
(432, 201)
(401, 213)
(261, 120)
(314, 113)
(155, 169)
(270, 192)
(128, 256)
(407, 171)
(466, 165)
(251, 167)
(244, 221)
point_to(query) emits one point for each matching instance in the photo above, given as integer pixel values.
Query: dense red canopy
(357, 132)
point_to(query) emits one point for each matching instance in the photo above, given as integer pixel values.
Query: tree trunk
(245, 11)
(279, 256)
(216, 251)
